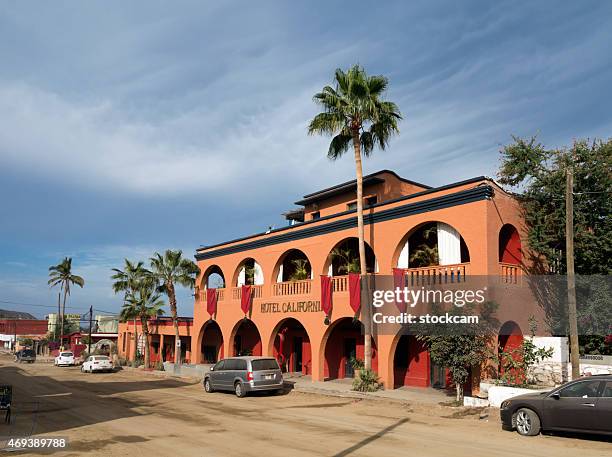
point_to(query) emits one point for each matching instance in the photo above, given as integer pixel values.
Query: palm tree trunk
(365, 310)
(63, 314)
(177, 338)
(135, 344)
(145, 331)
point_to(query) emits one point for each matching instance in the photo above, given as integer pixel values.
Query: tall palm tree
(145, 303)
(126, 281)
(169, 270)
(61, 274)
(355, 113)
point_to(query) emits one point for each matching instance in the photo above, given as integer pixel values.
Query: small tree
(460, 348)
(516, 365)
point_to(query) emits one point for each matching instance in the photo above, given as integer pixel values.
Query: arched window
(249, 272)
(213, 278)
(344, 258)
(293, 265)
(510, 245)
(431, 244)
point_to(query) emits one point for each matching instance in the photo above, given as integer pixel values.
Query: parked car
(583, 405)
(65, 359)
(244, 374)
(97, 363)
(25, 355)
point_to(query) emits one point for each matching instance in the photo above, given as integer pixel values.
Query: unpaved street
(123, 413)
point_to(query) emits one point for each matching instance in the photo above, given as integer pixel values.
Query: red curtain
(399, 275)
(211, 301)
(326, 294)
(281, 344)
(245, 299)
(355, 291)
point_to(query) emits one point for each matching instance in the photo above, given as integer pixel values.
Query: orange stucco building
(162, 340)
(477, 229)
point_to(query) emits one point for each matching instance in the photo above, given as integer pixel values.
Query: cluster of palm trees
(143, 288)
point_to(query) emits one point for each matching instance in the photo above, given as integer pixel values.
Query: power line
(54, 306)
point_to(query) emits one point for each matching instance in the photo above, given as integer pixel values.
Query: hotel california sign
(310, 306)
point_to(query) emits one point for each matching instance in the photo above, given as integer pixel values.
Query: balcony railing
(439, 274)
(509, 273)
(292, 287)
(220, 295)
(340, 283)
(256, 292)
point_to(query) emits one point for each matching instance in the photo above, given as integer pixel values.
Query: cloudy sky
(131, 127)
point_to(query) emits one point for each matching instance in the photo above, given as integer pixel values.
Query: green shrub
(366, 381)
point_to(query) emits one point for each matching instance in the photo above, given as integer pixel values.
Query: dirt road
(123, 413)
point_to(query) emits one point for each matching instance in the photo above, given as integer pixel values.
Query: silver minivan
(243, 375)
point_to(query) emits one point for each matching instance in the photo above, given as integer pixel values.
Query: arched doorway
(510, 245)
(211, 342)
(411, 363)
(343, 345)
(246, 339)
(291, 347)
(509, 341)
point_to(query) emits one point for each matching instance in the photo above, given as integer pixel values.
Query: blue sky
(131, 128)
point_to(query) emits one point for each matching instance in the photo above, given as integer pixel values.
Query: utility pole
(571, 280)
(15, 336)
(59, 296)
(90, 320)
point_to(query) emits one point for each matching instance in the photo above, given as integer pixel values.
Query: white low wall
(497, 394)
(196, 371)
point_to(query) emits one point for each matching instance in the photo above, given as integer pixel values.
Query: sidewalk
(343, 388)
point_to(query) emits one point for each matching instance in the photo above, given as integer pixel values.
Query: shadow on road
(42, 404)
(371, 438)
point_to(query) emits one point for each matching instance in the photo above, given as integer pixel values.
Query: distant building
(107, 324)
(72, 322)
(16, 329)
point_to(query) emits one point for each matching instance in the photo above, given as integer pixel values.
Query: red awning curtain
(355, 291)
(399, 282)
(326, 294)
(245, 299)
(211, 301)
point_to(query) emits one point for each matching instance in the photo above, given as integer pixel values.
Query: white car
(97, 363)
(64, 359)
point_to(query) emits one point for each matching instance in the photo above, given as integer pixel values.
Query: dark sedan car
(584, 405)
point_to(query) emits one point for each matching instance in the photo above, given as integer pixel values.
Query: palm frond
(355, 105)
(339, 145)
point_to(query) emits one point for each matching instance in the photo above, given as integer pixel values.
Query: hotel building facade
(474, 226)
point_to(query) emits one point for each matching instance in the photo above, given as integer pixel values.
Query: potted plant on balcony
(349, 261)
(300, 271)
(426, 255)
